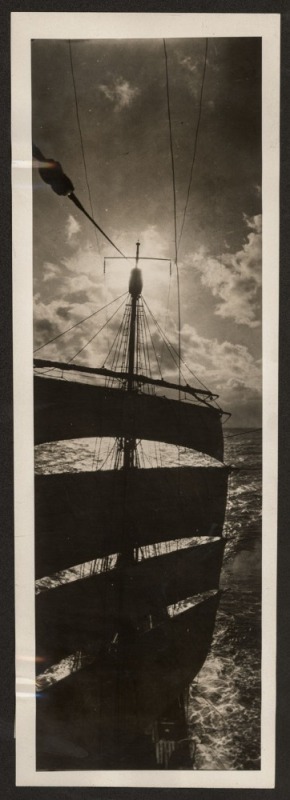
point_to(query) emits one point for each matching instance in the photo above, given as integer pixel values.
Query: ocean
(223, 702)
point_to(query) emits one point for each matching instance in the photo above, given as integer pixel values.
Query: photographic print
(146, 416)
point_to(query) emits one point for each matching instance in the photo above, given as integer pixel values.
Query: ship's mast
(135, 289)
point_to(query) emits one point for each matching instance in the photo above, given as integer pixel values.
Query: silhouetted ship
(117, 645)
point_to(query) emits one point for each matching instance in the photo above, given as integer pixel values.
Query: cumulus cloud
(230, 370)
(224, 364)
(235, 278)
(227, 368)
(189, 64)
(58, 321)
(72, 289)
(68, 292)
(192, 73)
(120, 93)
(75, 288)
(50, 271)
(72, 227)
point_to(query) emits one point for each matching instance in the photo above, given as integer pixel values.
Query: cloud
(223, 364)
(120, 93)
(228, 369)
(74, 288)
(235, 278)
(193, 68)
(255, 223)
(67, 293)
(50, 272)
(59, 319)
(72, 227)
(189, 64)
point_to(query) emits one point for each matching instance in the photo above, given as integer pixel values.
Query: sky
(122, 111)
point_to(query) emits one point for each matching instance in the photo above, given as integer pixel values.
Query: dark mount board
(8, 788)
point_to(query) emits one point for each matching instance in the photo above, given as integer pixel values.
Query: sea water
(223, 702)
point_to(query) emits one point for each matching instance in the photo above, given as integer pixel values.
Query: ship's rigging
(139, 622)
(129, 360)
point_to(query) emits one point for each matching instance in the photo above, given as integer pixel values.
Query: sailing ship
(128, 634)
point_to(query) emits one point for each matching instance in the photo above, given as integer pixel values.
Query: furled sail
(69, 409)
(82, 516)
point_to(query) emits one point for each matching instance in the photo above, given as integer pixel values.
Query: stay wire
(166, 318)
(168, 344)
(194, 375)
(245, 433)
(79, 322)
(195, 141)
(113, 346)
(153, 345)
(106, 458)
(180, 360)
(171, 148)
(97, 333)
(81, 139)
(77, 203)
(174, 203)
(72, 196)
(171, 347)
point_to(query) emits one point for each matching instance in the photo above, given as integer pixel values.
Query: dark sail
(81, 516)
(86, 613)
(121, 375)
(68, 410)
(135, 630)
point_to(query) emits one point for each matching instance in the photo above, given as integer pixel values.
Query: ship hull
(101, 717)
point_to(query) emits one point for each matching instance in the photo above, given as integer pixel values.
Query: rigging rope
(81, 138)
(171, 148)
(147, 363)
(52, 173)
(106, 458)
(80, 206)
(113, 348)
(166, 317)
(174, 204)
(152, 343)
(170, 347)
(195, 140)
(97, 333)
(80, 322)
(166, 341)
(118, 348)
(244, 433)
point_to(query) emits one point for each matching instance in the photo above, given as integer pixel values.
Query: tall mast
(135, 289)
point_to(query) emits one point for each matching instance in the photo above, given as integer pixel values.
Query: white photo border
(71, 25)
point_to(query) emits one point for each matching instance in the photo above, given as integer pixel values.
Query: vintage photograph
(147, 230)
(145, 156)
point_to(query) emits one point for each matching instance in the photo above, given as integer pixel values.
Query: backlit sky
(122, 106)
